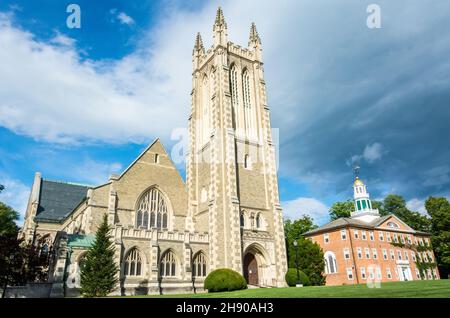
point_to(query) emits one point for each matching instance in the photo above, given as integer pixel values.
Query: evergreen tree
(310, 255)
(99, 273)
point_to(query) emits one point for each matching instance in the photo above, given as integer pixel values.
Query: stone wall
(31, 290)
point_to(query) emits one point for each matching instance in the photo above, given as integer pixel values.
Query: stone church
(169, 234)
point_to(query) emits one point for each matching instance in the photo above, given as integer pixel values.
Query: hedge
(224, 279)
(291, 277)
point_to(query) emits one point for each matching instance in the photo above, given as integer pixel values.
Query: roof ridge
(69, 182)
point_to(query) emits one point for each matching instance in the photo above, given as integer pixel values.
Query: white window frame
(392, 253)
(371, 273)
(363, 235)
(363, 273)
(388, 237)
(380, 236)
(346, 253)
(350, 275)
(385, 254)
(374, 253)
(344, 235)
(367, 252)
(371, 236)
(356, 234)
(359, 252)
(326, 238)
(388, 273)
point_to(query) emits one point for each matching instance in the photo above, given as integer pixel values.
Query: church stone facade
(169, 234)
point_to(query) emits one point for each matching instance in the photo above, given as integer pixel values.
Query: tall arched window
(242, 219)
(199, 265)
(205, 110)
(234, 93)
(330, 263)
(133, 264)
(167, 266)
(248, 110)
(258, 220)
(152, 210)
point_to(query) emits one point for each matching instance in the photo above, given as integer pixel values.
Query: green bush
(291, 278)
(224, 279)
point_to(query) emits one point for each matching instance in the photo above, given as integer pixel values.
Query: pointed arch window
(242, 219)
(258, 220)
(199, 265)
(248, 111)
(234, 91)
(133, 264)
(152, 210)
(167, 266)
(205, 126)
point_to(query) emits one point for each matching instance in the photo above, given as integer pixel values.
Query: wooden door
(251, 269)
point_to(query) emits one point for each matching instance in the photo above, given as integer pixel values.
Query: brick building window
(367, 252)
(363, 272)
(385, 256)
(371, 236)
(330, 263)
(388, 273)
(343, 235)
(392, 255)
(363, 234)
(356, 234)
(346, 253)
(380, 236)
(359, 253)
(349, 273)
(375, 253)
(326, 238)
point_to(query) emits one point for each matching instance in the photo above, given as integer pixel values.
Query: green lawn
(435, 288)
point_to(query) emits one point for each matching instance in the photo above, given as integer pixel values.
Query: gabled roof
(344, 222)
(58, 199)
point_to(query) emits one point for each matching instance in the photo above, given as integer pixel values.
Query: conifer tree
(99, 272)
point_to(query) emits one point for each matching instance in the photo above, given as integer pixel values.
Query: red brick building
(369, 247)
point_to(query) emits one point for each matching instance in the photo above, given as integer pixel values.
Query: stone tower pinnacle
(220, 29)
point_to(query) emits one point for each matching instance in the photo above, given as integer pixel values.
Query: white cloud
(15, 195)
(299, 207)
(370, 154)
(417, 205)
(125, 19)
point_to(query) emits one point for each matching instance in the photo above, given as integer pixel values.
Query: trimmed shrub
(291, 277)
(224, 279)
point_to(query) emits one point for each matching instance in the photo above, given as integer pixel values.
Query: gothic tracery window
(133, 263)
(167, 266)
(199, 265)
(152, 210)
(248, 110)
(234, 92)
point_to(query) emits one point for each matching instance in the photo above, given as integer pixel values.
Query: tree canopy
(309, 254)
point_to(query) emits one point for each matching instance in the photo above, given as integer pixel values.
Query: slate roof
(58, 199)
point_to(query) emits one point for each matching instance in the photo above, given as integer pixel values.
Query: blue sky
(80, 104)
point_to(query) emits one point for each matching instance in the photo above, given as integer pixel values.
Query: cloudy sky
(80, 104)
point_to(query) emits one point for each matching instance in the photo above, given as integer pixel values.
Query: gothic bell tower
(231, 169)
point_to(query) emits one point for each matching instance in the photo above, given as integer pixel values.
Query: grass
(417, 289)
